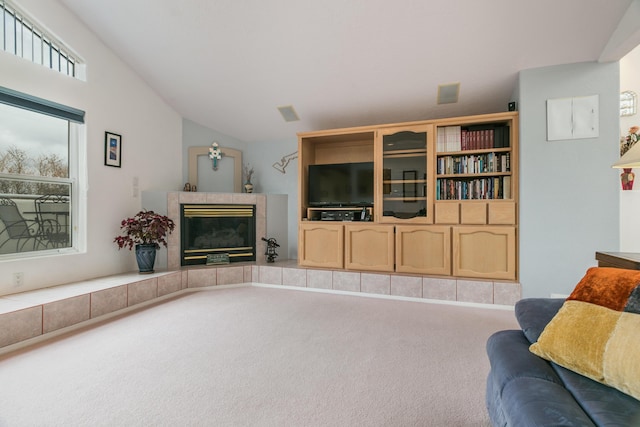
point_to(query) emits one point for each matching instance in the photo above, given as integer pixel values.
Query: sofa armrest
(533, 314)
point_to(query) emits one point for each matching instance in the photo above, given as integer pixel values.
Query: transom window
(21, 38)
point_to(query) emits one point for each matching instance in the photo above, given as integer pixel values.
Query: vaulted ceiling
(228, 64)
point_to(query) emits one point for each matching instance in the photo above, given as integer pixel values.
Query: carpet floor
(253, 356)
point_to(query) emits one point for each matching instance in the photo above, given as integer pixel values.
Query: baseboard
(388, 297)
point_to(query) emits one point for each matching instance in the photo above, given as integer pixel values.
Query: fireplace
(171, 202)
(213, 231)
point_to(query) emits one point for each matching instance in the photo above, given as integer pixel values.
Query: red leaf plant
(145, 228)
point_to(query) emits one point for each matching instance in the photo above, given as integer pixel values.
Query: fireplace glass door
(217, 229)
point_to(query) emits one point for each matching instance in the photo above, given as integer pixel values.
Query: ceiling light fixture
(448, 93)
(288, 113)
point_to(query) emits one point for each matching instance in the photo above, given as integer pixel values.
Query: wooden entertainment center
(445, 198)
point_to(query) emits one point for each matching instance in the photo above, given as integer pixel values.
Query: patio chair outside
(14, 228)
(53, 215)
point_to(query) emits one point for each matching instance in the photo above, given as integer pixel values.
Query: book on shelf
(506, 187)
(449, 138)
(477, 137)
(491, 188)
(473, 163)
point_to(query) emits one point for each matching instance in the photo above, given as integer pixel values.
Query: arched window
(628, 102)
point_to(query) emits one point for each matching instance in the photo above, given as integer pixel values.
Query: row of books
(482, 188)
(457, 138)
(475, 163)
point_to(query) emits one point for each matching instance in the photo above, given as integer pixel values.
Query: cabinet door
(423, 249)
(402, 174)
(369, 247)
(484, 252)
(321, 245)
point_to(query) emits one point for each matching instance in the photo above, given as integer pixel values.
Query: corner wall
(266, 179)
(220, 180)
(568, 190)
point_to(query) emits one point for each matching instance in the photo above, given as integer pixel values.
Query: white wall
(269, 180)
(115, 99)
(569, 196)
(630, 200)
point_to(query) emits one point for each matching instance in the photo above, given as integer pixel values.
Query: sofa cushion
(606, 406)
(596, 333)
(523, 389)
(534, 402)
(533, 314)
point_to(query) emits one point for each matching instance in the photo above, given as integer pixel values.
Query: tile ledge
(38, 297)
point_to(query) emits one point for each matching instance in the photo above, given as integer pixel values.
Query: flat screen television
(342, 184)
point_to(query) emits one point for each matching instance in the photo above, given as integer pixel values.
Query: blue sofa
(526, 390)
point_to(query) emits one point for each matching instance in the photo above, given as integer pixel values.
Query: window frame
(75, 119)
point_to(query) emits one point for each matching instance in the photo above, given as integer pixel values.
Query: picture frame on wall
(112, 149)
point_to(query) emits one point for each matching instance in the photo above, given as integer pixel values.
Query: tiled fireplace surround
(34, 314)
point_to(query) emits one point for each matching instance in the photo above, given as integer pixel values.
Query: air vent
(448, 94)
(288, 113)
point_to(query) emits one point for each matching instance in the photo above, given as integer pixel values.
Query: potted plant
(146, 230)
(247, 170)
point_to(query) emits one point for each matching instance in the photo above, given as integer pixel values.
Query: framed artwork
(409, 186)
(112, 149)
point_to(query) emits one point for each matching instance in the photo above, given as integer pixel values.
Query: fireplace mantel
(271, 218)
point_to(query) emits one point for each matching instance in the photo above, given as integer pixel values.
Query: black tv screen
(343, 184)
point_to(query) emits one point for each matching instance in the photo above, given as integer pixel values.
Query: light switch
(134, 187)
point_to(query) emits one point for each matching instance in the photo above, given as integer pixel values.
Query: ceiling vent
(448, 94)
(288, 113)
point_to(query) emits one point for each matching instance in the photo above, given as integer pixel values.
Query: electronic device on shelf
(337, 216)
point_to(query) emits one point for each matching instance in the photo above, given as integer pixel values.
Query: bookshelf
(473, 162)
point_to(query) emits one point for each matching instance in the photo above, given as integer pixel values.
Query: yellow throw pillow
(591, 338)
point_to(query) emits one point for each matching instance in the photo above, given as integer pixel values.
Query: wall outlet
(18, 279)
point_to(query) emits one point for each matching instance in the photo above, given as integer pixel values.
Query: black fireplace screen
(210, 229)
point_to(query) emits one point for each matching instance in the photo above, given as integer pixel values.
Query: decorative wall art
(112, 149)
(215, 154)
(284, 162)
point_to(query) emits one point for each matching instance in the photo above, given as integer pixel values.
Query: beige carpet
(253, 356)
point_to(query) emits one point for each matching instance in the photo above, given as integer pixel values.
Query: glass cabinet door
(404, 175)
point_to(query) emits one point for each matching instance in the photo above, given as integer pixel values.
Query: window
(38, 139)
(628, 101)
(21, 38)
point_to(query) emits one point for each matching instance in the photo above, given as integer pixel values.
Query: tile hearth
(31, 315)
